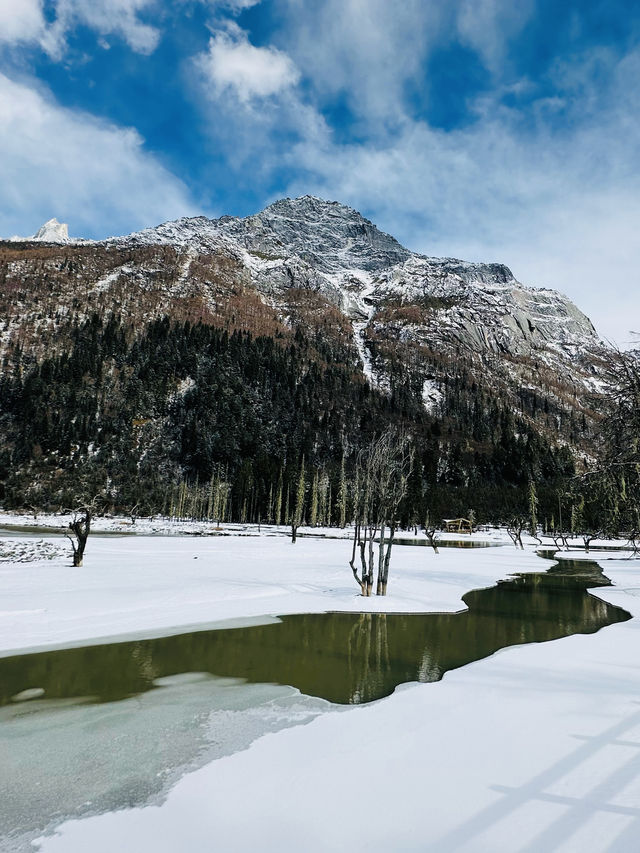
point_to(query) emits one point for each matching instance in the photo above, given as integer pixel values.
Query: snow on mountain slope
(53, 232)
(331, 248)
(484, 306)
(328, 236)
(395, 299)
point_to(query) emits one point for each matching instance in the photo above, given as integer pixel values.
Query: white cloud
(365, 51)
(233, 64)
(94, 175)
(487, 26)
(559, 204)
(118, 17)
(21, 21)
(233, 5)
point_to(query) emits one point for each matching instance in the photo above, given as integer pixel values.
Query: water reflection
(343, 657)
(448, 543)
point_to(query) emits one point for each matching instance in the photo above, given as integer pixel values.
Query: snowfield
(533, 749)
(143, 586)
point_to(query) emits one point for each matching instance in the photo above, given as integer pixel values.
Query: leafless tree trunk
(296, 517)
(382, 582)
(588, 538)
(560, 540)
(382, 471)
(514, 529)
(432, 537)
(80, 527)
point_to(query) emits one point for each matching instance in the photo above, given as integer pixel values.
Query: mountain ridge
(385, 290)
(334, 249)
(315, 318)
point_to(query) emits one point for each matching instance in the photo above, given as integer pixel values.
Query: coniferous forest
(192, 420)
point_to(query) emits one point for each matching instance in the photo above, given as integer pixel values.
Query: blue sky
(482, 129)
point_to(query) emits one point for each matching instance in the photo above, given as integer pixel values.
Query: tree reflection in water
(346, 658)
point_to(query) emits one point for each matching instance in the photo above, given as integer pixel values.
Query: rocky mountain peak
(326, 234)
(52, 232)
(309, 261)
(332, 249)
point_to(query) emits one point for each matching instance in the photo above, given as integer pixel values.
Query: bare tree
(560, 540)
(431, 532)
(533, 511)
(588, 537)
(80, 527)
(382, 471)
(515, 528)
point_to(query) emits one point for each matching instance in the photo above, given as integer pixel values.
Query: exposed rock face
(327, 236)
(405, 311)
(331, 248)
(483, 306)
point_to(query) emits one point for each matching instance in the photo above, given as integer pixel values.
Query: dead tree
(382, 472)
(80, 527)
(560, 540)
(358, 501)
(431, 532)
(587, 539)
(514, 529)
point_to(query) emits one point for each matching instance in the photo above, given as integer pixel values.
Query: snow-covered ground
(11, 522)
(533, 749)
(134, 586)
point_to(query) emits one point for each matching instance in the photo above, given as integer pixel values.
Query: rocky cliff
(305, 260)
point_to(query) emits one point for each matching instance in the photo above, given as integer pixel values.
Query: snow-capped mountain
(404, 314)
(328, 236)
(51, 232)
(246, 344)
(332, 249)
